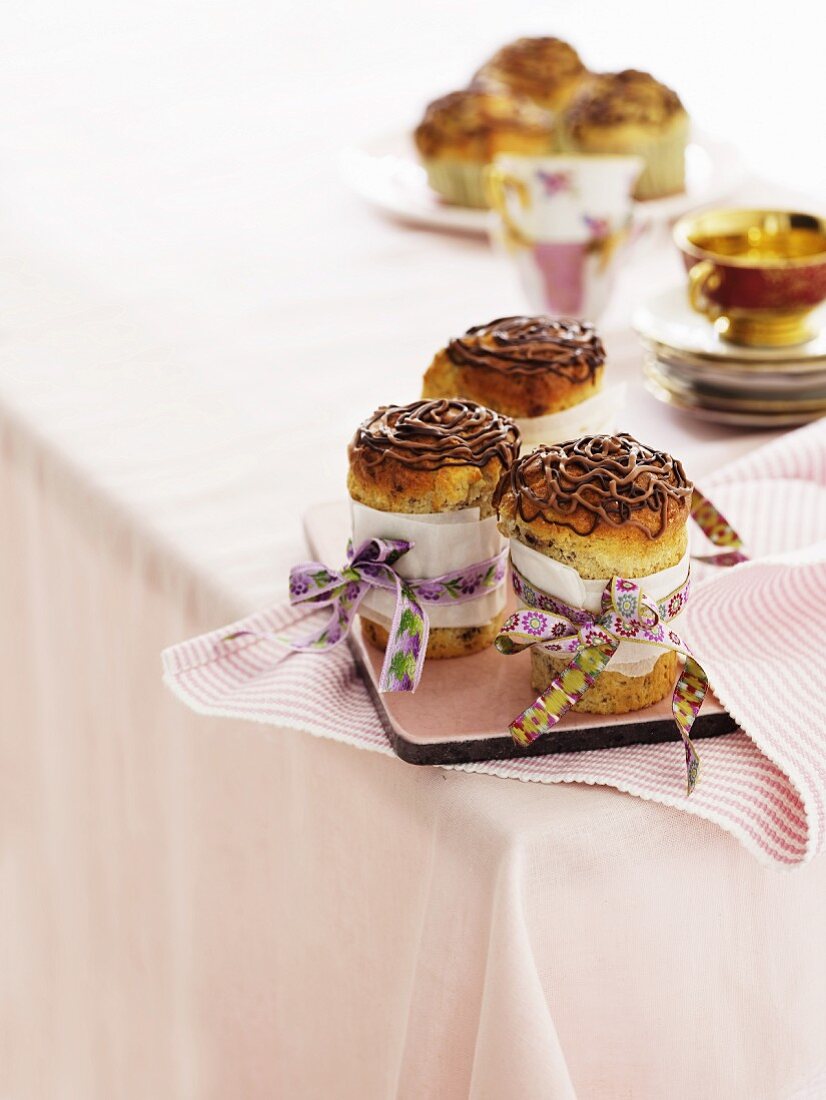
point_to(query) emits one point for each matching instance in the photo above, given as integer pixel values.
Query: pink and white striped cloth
(759, 630)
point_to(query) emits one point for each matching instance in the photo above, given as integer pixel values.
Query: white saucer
(725, 380)
(745, 372)
(669, 320)
(734, 410)
(386, 173)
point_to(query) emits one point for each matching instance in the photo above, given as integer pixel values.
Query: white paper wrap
(563, 582)
(444, 541)
(595, 416)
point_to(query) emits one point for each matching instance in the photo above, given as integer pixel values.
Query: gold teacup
(756, 274)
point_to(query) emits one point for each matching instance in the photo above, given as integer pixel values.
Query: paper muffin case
(594, 416)
(442, 542)
(458, 181)
(564, 582)
(664, 156)
(664, 172)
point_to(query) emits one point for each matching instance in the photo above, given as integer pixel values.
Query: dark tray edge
(560, 741)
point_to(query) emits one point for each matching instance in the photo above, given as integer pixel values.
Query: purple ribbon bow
(370, 566)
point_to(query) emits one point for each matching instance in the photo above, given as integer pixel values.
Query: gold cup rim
(739, 219)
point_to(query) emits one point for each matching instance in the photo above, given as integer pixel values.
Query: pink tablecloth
(204, 908)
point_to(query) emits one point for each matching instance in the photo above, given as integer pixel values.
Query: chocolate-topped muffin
(546, 70)
(631, 113)
(463, 131)
(603, 506)
(427, 464)
(530, 368)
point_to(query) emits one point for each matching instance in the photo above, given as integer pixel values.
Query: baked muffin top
(430, 435)
(610, 480)
(535, 67)
(529, 346)
(612, 99)
(476, 115)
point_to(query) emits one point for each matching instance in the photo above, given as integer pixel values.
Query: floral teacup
(565, 221)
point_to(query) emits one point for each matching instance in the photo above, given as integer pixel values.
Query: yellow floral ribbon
(717, 530)
(626, 614)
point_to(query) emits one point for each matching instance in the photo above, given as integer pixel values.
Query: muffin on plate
(545, 372)
(546, 70)
(427, 472)
(463, 131)
(630, 113)
(582, 512)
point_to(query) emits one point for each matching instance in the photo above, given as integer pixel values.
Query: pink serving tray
(461, 710)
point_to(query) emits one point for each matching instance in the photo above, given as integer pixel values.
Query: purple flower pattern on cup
(555, 183)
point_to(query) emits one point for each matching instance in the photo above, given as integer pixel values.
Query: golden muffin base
(607, 552)
(443, 641)
(513, 395)
(612, 693)
(392, 487)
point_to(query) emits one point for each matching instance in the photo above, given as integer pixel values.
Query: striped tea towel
(759, 630)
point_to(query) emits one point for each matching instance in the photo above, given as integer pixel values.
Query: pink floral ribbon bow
(593, 638)
(371, 566)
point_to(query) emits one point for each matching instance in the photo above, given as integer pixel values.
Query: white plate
(668, 319)
(386, 173)
(717, 386)
(745, 414)
(748, 372)
(724, 379)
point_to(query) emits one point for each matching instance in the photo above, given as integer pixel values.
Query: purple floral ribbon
(593, 638)
(370, 566)
(718, 530)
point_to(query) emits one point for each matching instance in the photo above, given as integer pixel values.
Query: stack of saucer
(687, 365)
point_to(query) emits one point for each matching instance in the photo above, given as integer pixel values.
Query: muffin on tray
(545, 372)
(462, 132)
(582, 512)
(630, 113)
(421, 471)
(546, 70)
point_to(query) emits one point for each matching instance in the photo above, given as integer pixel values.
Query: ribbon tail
(565, 692)
(685, 704)
(406, 643)
(326, 637)
(718, 531)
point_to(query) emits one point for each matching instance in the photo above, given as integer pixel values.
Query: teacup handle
(497, 185)
(703, 275)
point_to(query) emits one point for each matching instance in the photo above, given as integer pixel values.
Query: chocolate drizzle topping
(526, 346)
(427, 435)
(610, 477)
